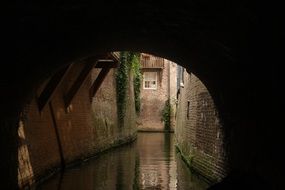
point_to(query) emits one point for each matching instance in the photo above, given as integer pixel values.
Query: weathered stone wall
(85, 129)
(198, 132)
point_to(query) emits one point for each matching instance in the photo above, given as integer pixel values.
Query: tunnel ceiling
(212, 39)
(74, 29)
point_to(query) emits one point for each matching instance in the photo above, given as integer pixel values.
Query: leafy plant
(122, 83)
(166, 115)
(129, 61)
(137, 81)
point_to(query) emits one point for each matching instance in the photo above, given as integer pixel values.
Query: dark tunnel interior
(227, 44)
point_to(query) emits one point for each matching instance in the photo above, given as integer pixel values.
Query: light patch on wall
(25, 171)
(69, 108)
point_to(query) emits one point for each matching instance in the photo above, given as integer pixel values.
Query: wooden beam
(106, 63)
(90, 63)
(97, 83)
(51, 87)
(115, 56)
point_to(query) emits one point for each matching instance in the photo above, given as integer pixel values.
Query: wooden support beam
(115, 56)
(106, 63)
(51, 87)
(97, 83)
(90, 63)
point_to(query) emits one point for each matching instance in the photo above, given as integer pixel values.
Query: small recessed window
(188, 109)
(150, 80)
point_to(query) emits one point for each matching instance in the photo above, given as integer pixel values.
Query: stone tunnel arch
(223, 51)
(68, 157)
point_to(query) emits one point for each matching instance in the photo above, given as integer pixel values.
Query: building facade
(157, 89)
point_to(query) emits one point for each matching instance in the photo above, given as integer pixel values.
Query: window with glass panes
(150, 80)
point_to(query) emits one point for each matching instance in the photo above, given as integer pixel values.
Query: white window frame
(151, 88)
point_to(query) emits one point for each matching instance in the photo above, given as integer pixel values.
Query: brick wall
(38, 149)
(153, 100)
(85, 129)
(198, 130)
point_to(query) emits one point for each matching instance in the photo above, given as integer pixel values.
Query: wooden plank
(97, 83)
(51, 87)
(90, 63)
(115, 56)
(106, 63)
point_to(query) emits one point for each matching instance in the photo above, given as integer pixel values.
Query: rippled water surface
(148, 163)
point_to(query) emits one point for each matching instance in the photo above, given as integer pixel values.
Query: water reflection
(148, 163)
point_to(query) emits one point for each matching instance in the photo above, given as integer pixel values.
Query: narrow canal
(151, 162)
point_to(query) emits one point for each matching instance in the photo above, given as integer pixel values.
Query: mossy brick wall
(104, 111)
(85, 129)
(198, 132)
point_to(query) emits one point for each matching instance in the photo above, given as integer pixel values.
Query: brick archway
(218, 41)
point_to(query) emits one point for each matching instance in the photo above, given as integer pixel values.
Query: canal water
(150, 162)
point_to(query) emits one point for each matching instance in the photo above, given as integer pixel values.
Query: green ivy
(128, 61)
(137, 80)
(122, 83)
(166, 115)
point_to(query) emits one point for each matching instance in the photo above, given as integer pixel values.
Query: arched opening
(74, 118)
(218, 41)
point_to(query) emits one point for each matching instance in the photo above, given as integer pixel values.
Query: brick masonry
(198, 132)
(153, 100)
(84, 129)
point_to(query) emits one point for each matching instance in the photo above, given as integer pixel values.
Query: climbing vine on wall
(135, 60)
(166, 115)
(128, 61)
(122, 83)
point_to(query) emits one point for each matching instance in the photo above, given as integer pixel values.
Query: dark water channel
(149, 163)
